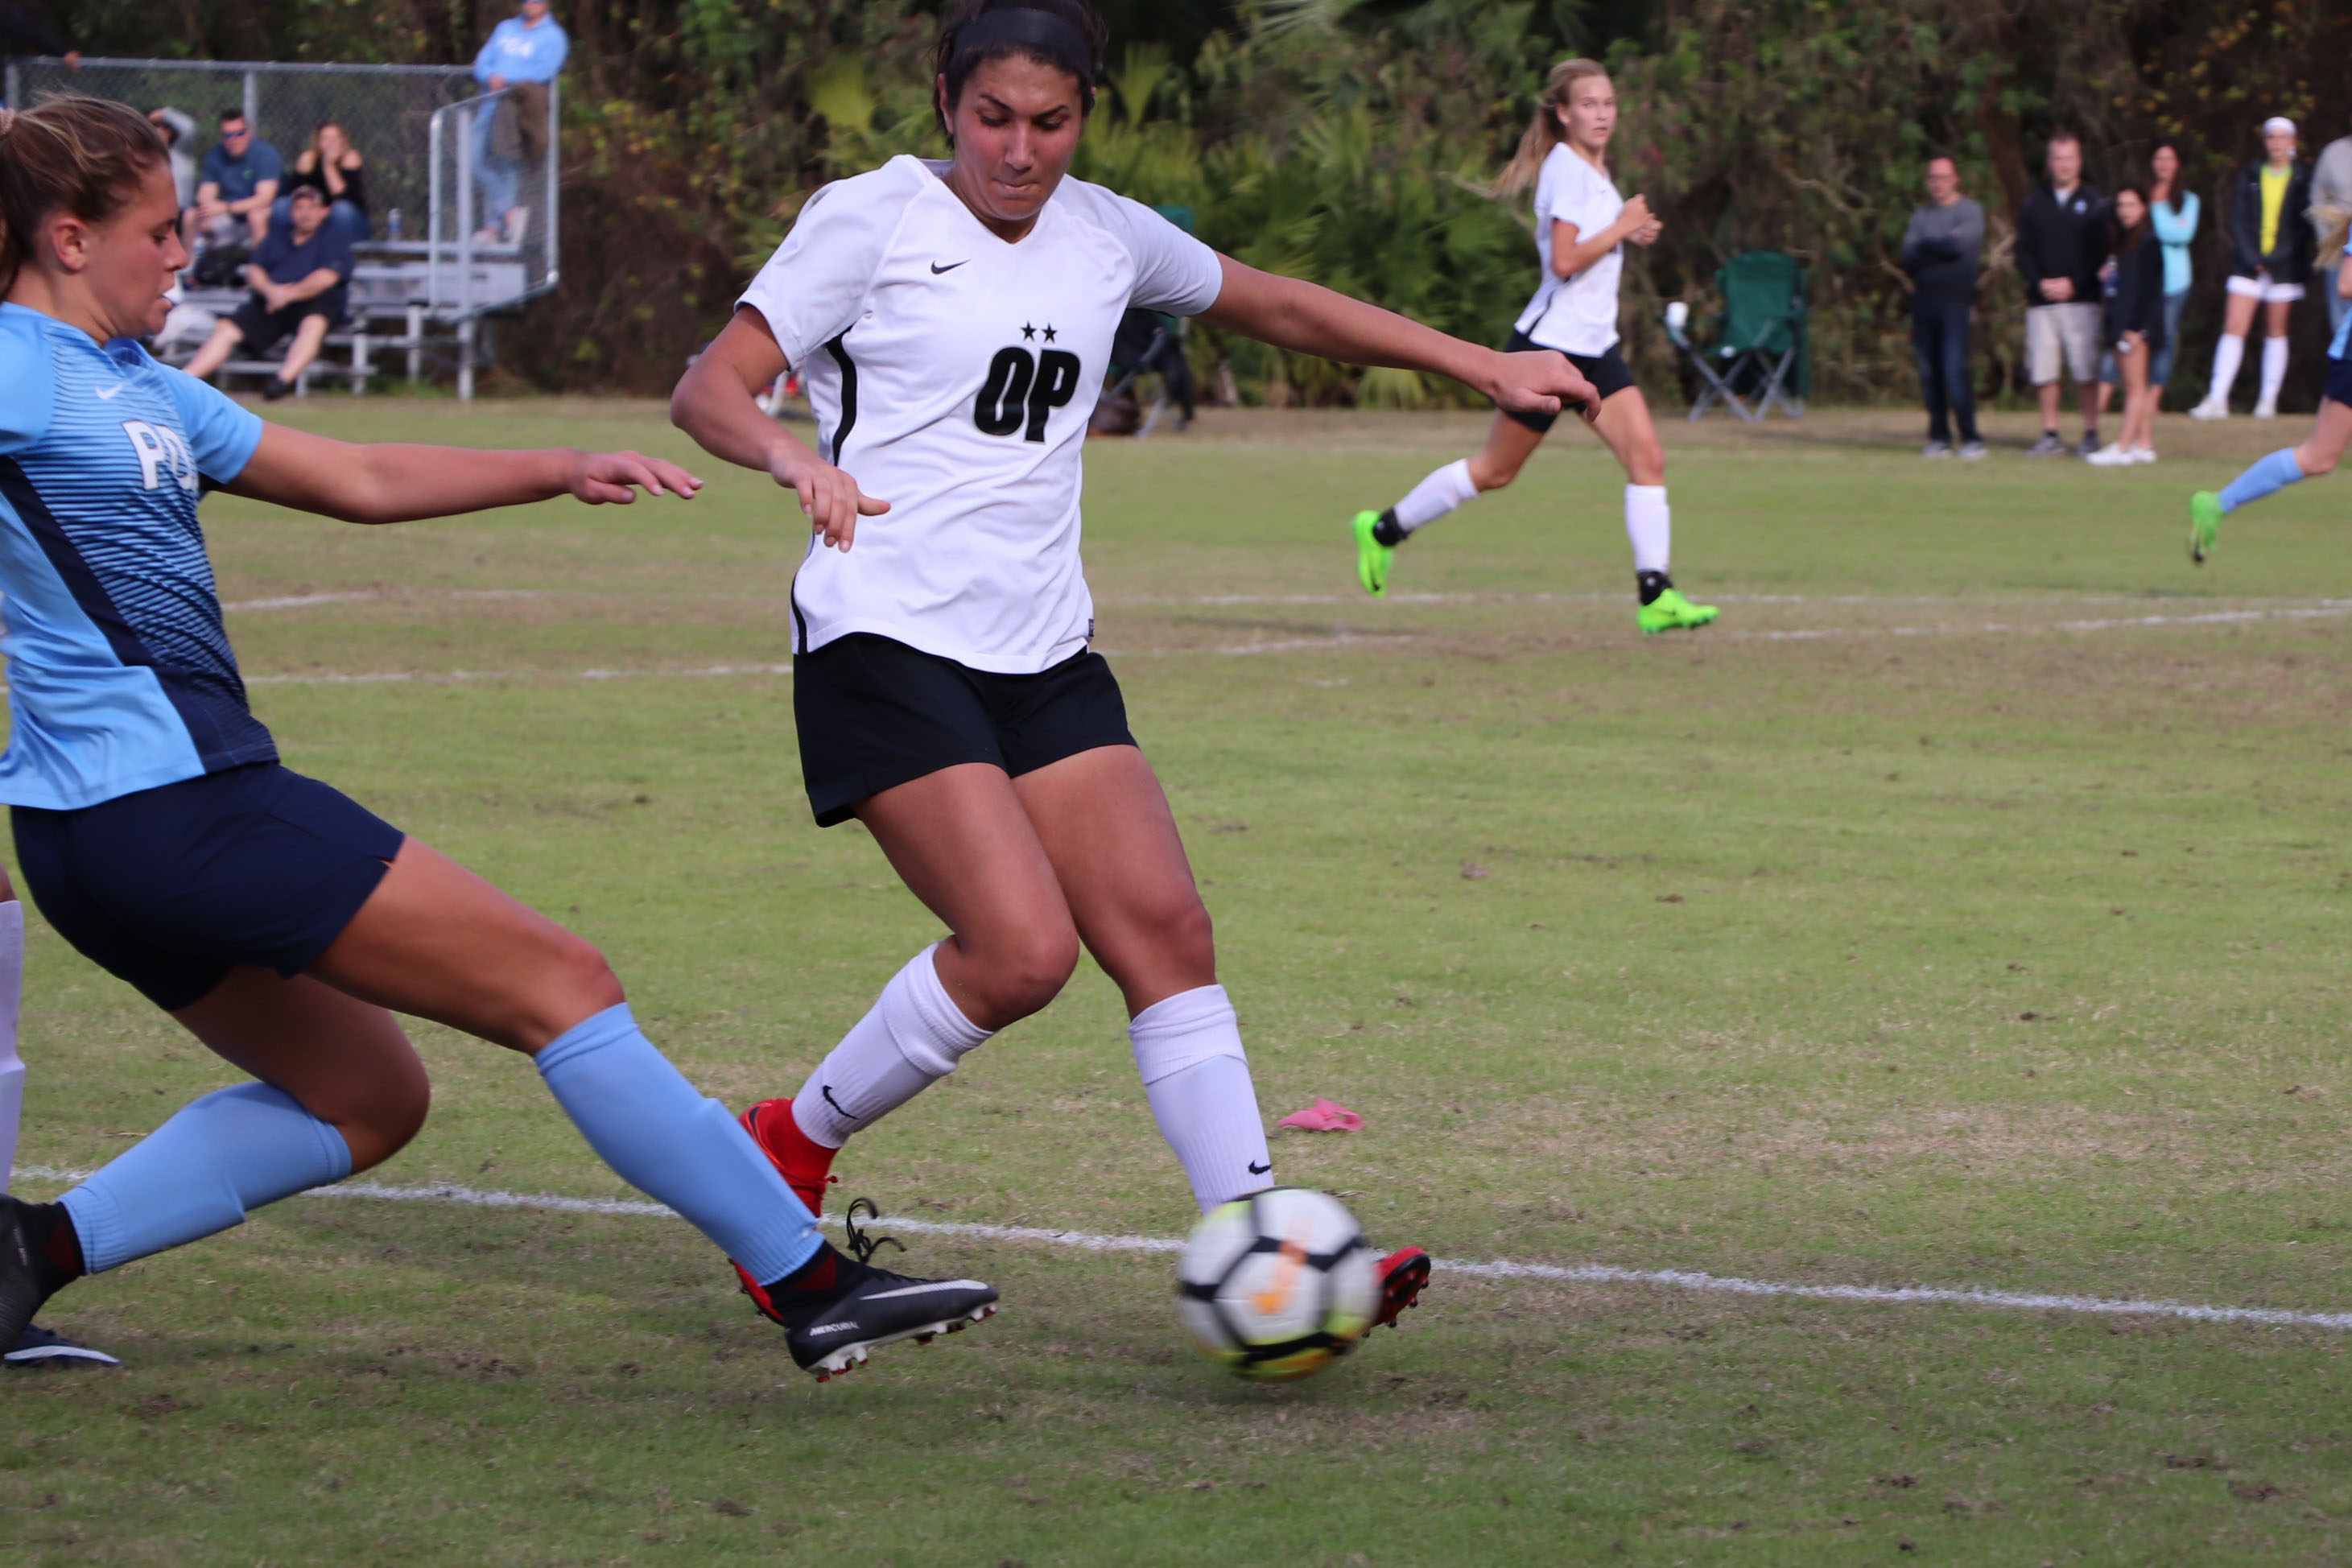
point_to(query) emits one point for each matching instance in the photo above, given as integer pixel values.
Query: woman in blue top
(278, 922)
(2173, 213)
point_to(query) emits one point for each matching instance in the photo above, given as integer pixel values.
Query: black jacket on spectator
(2138, 303)
(2289, 260)
(2068, 240)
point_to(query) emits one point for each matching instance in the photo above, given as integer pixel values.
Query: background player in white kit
(954, 322)
(1581, 228)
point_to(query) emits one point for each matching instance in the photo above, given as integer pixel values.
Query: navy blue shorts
(2339, 380)
(172, 888)
(874, 713)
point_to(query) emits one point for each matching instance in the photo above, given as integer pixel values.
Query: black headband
(1052, 35)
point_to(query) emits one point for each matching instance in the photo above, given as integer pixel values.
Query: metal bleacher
(423, 293)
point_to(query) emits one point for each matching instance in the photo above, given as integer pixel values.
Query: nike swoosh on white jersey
(104, 392)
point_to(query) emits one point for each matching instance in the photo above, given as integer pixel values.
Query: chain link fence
(461, 187)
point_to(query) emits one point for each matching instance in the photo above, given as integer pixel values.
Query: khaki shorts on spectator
(2067, 333)
(2262, 288)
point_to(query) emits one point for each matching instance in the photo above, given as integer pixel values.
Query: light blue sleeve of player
(28, 391)
(222, 434)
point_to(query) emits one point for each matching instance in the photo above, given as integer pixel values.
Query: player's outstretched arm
(398, 483)
(714, 403)
(1306, 318)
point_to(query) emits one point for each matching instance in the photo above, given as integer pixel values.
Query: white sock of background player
(1188, 1047)
(912, 1037)
(1436, 495)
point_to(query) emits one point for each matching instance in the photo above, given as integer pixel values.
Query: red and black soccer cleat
(806, 1165)
(1403, 1275)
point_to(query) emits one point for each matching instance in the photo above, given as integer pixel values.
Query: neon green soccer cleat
(1670, 612)
(1372, 557)
(2204, 524)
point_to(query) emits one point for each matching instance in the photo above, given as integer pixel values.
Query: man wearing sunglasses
(240, 179)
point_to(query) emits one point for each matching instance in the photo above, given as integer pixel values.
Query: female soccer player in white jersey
(1582, 225)
(276, 920)
(953, 321)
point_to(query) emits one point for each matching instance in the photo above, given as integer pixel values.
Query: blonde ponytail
(1544, 132)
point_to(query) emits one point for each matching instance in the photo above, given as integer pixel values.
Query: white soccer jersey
(952, 375)
(1578, 314)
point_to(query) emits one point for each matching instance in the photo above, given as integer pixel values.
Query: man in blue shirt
(299, 275)
(239, 179)
(523, 54)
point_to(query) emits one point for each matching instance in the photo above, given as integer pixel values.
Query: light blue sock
(668, 1142)
(2267, 477)
(203, 1170)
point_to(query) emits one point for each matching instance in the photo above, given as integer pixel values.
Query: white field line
(1496, 1268)
(1344, 639)
(455, 677)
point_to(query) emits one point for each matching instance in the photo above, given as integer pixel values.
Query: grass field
(1966, 908)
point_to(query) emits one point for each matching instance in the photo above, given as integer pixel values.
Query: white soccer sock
(1435, 496)
(1649, 523)
(2273, 368)
(2228, 355)
(11, 1067)
(1188, 1047)
(912, 1037)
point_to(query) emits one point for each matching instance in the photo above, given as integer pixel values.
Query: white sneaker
(2266, 409)
(2109, 457)
(2143, 454)
(2211, 408)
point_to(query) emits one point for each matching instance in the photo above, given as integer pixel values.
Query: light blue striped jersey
(2343, 328)
(119, 673)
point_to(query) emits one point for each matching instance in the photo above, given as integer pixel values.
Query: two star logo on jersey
(1024, 387)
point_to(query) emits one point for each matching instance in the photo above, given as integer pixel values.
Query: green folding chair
(1757, 356)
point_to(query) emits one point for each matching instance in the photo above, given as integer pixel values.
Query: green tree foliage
(1348, 141)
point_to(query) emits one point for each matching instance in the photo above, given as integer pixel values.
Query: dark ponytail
(1064, 34)
(87, 156)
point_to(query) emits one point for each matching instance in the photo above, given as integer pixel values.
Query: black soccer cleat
(37, 1346)
(26, 1278)
(837, 1331)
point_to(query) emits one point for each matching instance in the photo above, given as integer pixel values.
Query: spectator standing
(1943, 246)
(333, 167)
(238, 179)
(2270, 246)
(524, 51)
(2330, 212)
(298, 276)
(178, 130)
(2134, 323)
(2172, 215)
(2059, 248)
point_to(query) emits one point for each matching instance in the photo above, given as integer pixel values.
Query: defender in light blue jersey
(2319, 453)
(272, 916)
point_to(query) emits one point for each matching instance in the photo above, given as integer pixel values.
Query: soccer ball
(1279, 1284)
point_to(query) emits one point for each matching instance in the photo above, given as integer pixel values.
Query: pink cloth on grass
(1324, 1116)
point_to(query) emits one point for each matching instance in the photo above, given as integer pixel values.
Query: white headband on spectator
(2278, 125)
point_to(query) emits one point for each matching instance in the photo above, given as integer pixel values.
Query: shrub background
(1345, 141)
